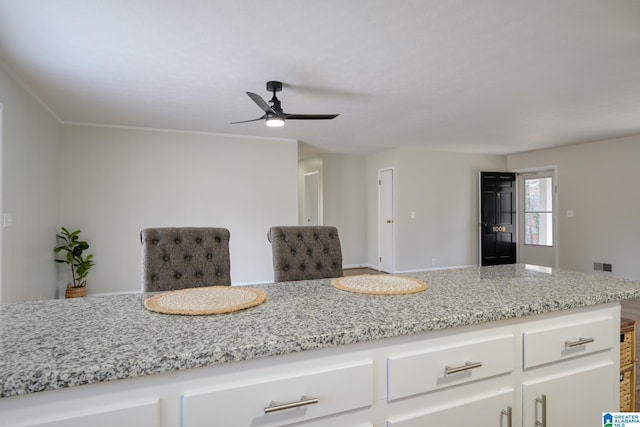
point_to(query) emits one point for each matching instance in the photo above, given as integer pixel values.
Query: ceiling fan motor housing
(274, 86)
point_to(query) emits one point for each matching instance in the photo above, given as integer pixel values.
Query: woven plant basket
(78, 292)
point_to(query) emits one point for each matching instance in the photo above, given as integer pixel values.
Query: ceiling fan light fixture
(275, 121)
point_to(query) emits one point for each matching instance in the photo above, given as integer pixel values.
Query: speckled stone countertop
(46, 345)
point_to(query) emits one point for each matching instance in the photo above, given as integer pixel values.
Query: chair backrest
(305, 252)
(184, 257)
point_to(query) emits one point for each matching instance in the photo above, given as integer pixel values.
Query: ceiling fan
(273, 114)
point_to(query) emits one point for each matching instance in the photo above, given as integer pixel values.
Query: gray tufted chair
(305, 252)
(189, 257)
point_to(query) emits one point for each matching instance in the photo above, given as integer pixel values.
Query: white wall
(600, 183)
(29, 192)
(442, 189)
(115, 182)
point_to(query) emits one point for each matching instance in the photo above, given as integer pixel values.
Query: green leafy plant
(74, 248)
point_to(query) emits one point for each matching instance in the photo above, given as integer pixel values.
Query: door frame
(556, 210)
(305, 197)
(393, 214)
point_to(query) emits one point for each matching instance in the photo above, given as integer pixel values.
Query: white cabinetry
(572, 398)
(139, 413)
(561, 369)
(488, 409)
(282, 400)
(482, 375)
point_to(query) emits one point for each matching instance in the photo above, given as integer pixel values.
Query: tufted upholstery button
(305, 252)
(172, 254)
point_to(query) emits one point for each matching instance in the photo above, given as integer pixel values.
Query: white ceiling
(491, 76)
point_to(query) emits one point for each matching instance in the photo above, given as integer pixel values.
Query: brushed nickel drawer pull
(509, 414)
(448, 370)
(543, 405)
(304, 401)
(579, 342)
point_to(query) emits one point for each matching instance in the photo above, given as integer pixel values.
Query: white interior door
(385, 220)
(537, 225)
(312, 204)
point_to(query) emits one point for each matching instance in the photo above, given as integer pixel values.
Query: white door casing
(385, 220)
(537, 254)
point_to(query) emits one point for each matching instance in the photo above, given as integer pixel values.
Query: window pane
(538, 228)
(538, 194)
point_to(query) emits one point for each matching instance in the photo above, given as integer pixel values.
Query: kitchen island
(366, 358)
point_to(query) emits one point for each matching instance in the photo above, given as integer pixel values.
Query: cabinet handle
(448, 370)
(543, 402)
(304, 401)
(509, 414)
(579, 342)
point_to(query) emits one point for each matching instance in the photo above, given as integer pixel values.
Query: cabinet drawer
(551, 344)
(444, 366)
(336, 389)
(143, 414)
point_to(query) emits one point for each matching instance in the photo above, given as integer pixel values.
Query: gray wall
(442, 189)
(29, 191)
(344, 201)
(599, 182)
(131, 179)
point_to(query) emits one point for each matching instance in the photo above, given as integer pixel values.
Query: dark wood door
(498, 217)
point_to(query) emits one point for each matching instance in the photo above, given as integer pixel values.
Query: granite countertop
(46, 345)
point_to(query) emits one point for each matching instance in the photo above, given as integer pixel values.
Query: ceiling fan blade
(261, 102)
(252, 120)
(310, 116)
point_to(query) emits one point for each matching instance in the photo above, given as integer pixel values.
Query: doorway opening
(312, 207)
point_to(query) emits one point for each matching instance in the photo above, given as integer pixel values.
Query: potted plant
(79, 263)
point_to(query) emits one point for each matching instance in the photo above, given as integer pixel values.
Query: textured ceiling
(489, 76)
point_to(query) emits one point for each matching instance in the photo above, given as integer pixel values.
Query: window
(538, 211)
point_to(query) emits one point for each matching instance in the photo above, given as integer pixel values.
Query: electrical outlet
(7, 220)
(433, 261)
(597, 266)
(607, 267)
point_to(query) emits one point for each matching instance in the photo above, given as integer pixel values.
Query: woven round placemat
(206, 300)
(379, 284)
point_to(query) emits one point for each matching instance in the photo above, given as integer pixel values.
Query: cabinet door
(486, 410)
(573, 398)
